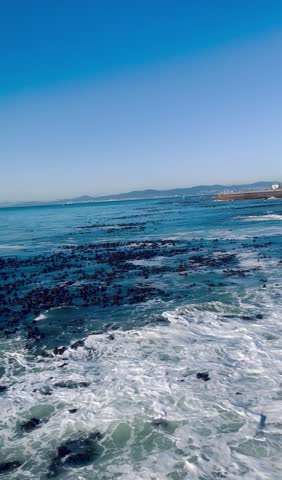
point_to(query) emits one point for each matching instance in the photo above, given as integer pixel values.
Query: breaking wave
(140, 389)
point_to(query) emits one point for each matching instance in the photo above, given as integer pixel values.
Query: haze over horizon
(108, 97)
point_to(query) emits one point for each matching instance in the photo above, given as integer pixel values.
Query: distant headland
(216, 190)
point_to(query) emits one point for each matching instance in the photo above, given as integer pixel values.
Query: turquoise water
(109, 314)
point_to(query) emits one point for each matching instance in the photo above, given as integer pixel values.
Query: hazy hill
(150, 193)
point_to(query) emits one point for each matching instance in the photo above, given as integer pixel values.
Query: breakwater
(264, 194)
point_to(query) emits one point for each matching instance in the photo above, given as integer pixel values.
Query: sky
(108, 96)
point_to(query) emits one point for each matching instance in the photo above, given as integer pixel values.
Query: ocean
(141, 340)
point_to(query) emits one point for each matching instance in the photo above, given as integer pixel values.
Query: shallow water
(156, 292)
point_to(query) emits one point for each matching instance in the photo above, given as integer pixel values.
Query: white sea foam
(249, 259)
(157, 261)
(12, 247)
(40, 317)
(261, 218)
(228, 234)
(210, 429)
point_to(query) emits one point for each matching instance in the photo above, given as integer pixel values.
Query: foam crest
(140, 389)
(262, 218)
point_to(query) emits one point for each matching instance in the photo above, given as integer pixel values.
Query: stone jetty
(264, 194)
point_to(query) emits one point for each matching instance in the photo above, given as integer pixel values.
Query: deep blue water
(111, 310)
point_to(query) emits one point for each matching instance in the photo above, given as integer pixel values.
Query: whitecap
(150, 372)
(261, 218)
(12, 247)
(41, 316)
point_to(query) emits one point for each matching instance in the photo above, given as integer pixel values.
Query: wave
(140, 389)
(12, 247)
(41, 316)
(261, 218)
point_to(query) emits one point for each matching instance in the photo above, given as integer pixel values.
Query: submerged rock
(75, 453)
(219, 474)
(44, 354)
(78, 343)
(262, 421)
(79, 459)
(3, 388)
(45, 390)
(59, 350)
(72, 384)
(62, 365)
(73, 410)
(78, 445)
(30, 424)
(203, 376)
(9, 466)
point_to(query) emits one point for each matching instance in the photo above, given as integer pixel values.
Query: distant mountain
(143, 194)
(197, 190)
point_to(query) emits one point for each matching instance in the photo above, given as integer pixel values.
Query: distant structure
(274, 192)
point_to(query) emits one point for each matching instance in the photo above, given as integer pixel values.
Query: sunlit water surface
(133, 376)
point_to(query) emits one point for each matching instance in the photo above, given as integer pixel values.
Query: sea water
(156, 323)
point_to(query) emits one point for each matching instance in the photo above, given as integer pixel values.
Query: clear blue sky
(107, 96)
